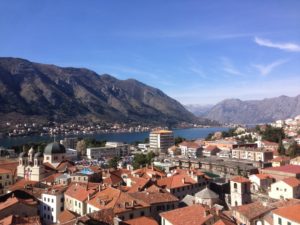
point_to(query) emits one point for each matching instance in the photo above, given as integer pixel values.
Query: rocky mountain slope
(255, 111)
(49, 92)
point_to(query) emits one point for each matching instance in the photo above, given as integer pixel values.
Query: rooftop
(140, 220)
(191, 215)
(289, 212)
(240, 179)
(294, 169)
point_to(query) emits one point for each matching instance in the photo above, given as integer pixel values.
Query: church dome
(54, 148)
(206, 193)
(23, 154)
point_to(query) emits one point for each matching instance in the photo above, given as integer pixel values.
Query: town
(240, 176)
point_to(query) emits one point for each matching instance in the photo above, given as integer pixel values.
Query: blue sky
(195, 51)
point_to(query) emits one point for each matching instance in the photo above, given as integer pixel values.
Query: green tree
(293, 150)
(281, 149)
(141, 160)
(209, 137)
(113, 163)
(273, 134)
(179, 140)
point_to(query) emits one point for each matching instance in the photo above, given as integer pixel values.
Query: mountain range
(44, 92)
(253, 111)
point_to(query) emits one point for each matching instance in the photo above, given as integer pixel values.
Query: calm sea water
(190, 134)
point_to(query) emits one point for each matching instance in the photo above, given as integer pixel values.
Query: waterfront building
(161, 140)
(252, 154)
(190, 149)
(111, 149)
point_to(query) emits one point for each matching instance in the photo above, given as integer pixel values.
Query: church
(31, 165)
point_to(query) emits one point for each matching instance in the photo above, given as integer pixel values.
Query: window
(44, 207)
(279, 221)
(7, 176)
(52, 200)
(48, 208)
(48, 199)
(44, 198)
(61, 208)
(0, 177)
(235, 185)
(52, 209)
(75, 203)
(79, 204)
(277, 189)
(289, 223)
(131, 215)
(142, 213)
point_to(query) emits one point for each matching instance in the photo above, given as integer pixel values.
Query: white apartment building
(190, 149)
(111, 149)
(285, 189)
(161, 140)
(252, 154)
(52, 204)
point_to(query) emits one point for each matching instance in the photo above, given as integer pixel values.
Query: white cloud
(291, 47)
(229, 67)
(268, 68)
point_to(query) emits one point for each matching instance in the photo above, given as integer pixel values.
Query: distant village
(241, 176)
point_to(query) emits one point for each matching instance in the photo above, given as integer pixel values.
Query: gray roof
(38, 154)
(23, 154)
(54, 148)
(206, 193)
(188, 200)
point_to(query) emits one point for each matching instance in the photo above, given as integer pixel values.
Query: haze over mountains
(252, 111)
(49, 92)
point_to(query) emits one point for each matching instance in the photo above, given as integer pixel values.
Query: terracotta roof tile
(289, 212)
(80, 191)
(292, 181)
(66, 216)
(175, 181)
(294, 169)
(263, 176)
(143, 220)
(240, 179)
(252, 210)
(191, 215)
(154, 197)
(189, 144)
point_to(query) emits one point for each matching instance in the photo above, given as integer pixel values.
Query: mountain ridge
(47, 91)
(254, 111)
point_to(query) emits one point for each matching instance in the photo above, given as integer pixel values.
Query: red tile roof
(189, 144)
(239, 179)
(154, 197)
(175, 181)
(13, 200)
(292, 181)
(80, 192)
(191, 215)
(289, 212)
(211, 148)
(281, 159)
(115, 199)
(252, 210)
(294, 169)
(66, 216)
(263, 176)
(143, 220)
